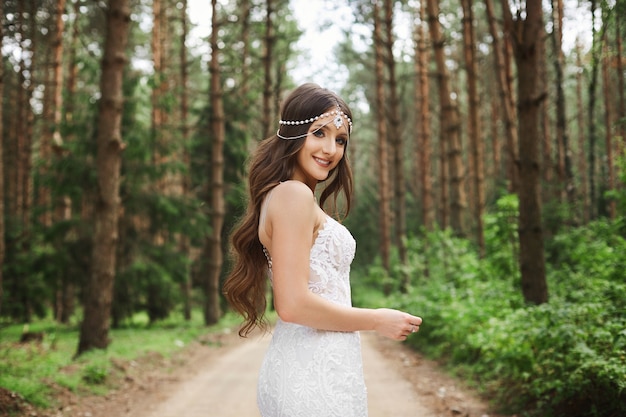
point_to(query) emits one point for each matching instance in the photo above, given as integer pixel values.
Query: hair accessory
(337, 121)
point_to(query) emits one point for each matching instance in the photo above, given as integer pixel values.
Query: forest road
(399, 382)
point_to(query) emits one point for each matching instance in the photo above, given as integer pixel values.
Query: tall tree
(94, 331)
(591, 112)
(214, 258)
(474, 128)
(269, 42)
(2, 213)
(608, 124)
(527, 33)
(20, 199)
(583, 195)
(505, 95)
(449, 124)
(564, 163)
(422, 123)
(383, 152)
(185, 132)
(245, 9)
(621, 102)
(397, 144)
(62, 203)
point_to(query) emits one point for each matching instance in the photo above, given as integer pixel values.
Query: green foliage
(34, 369)
(94, 374)
(566, 357)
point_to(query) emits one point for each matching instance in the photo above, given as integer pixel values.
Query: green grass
(34, 369)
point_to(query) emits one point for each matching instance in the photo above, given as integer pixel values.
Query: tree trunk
(383, 156)
(527, 35)
(506, 101)
(422, 123)
(267, 70)
(184, 242)
(566, 175)
(2, 195)
(591, 109)
(44, 141)
(496, 147)
(245, 56)
(474, 128)
(65, 296)
(621, 103)
(450, 126)
(608, 123)
(62, 204)
(94, 332)
(582, 163)
(395, 129)
(546, 159)
(212, 311)
(24, 137)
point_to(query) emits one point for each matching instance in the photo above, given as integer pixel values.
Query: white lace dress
(314, 373)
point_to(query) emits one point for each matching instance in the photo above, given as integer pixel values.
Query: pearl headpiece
(338, 121)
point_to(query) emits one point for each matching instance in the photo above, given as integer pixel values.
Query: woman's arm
(291, 219)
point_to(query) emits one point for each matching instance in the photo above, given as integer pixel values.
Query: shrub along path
(218, 378)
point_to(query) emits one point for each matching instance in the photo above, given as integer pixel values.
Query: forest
(488, 155)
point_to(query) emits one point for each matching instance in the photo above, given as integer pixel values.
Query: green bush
(563, 358)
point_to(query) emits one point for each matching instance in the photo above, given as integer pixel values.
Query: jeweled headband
(337, 121)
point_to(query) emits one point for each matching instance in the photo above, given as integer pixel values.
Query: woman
(313, 366)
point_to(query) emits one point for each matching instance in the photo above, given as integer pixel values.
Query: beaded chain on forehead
(338, 121)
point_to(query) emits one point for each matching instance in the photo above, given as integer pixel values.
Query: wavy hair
(274, 161)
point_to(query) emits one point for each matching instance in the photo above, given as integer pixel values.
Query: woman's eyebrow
(320, 125)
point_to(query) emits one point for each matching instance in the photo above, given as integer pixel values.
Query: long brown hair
(274, 161)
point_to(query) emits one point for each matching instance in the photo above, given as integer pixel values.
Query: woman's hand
(396, 324)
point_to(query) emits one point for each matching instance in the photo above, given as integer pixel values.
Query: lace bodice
(308, 372)
(331, 256)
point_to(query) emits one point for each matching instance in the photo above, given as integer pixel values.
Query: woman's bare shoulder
(293, 190)
(293, 198)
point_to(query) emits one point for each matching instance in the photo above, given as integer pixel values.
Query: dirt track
(400, 384)
(216, 377)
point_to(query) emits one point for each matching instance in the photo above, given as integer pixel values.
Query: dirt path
(226, 386)
(220, 381)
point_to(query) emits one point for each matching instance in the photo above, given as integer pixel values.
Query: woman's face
(323, 148)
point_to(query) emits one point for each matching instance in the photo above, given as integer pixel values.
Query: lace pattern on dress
(309, 372)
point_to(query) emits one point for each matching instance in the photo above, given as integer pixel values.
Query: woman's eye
(342, 141)
(319, 133)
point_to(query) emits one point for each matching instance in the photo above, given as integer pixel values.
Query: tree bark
(608, 129)
(212, 311)
(267, 69)
(2, 194)
(245, 8)
(383, 156)
(422, 123)
(397, 143)
(185, 131)
(591, 110)
(566, 175)
(450, 126)
(582, 162)
(506, 101)
(94, 332)
(621, 103)
(495, 172)
(62, 204)
(527, 34)
(474, 127)
(548, 168)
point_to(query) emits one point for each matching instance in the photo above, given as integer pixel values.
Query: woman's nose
(330, 147)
